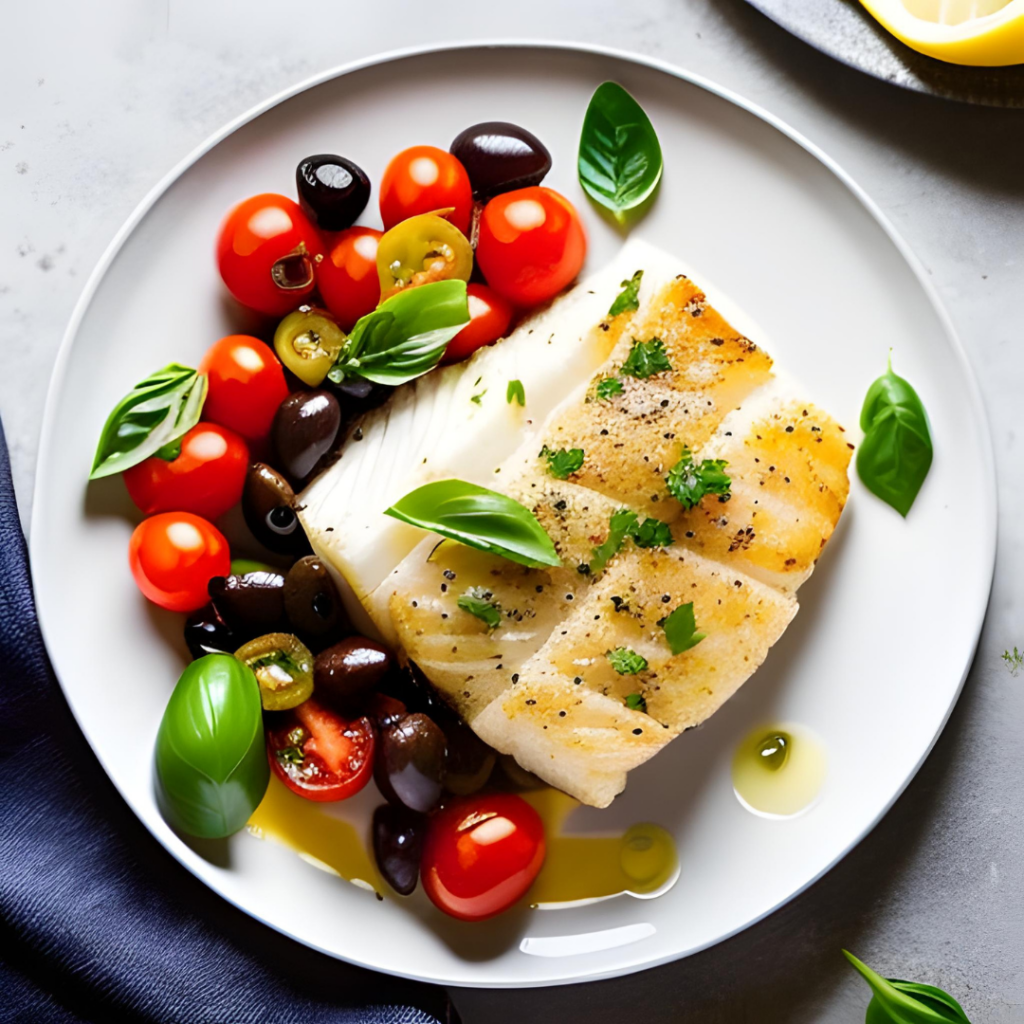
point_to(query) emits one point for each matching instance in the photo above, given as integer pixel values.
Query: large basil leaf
(620, 159)
(211, 762)
(149, 419)
(907, 1002)
(405, 336)
(896, 453)
(478, 518)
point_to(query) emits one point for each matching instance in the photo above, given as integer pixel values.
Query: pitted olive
(268, 504)
(311, 600)
(499, 157)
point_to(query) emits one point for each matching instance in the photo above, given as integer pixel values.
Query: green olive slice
(420, 250)
(283, 667)
(308, 342)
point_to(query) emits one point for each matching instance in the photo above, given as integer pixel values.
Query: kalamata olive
(384, 710)
(207, 633)
(333, 191)
(410, 685)
(311, 600)
(305, 426)
(469, 761)
(348, 671)
(499, 157)
(397, 844)
(268, 504)
(250, 604)
(283, 667)
(408, 764)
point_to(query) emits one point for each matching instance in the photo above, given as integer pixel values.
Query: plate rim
(977, 408)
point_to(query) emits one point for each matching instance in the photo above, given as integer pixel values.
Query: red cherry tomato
(206, 478)
(320, 755)
(246, 385)
(425, 179)
(266, 251)
(481, 854)
(489, 317)
(174, 555)
(347, 276)
(531, 244)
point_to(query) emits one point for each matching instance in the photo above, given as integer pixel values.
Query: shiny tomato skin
(347, 276)
(255, 237)
(205, 479)
(425, 179)
(481, 855)
(246, 385)
(174, 555)
(489, 314)
(531, 244)
(337, 753)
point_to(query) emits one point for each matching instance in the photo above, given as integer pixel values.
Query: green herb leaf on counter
(619, 526)
(478, 518)
(562, 463)
(896, 453)
(626, 661)
(629, 298)
(515, 392)
(652, 533)
(688, 481)
(907, 1002)
(636, 702)
(405, 336)
(646, 358)
(1014, 661)
(148, 420)
(619, 161)
(681, 629)
(608, 388)
(480, 602)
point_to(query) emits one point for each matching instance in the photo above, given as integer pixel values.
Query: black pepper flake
(568, 597)
(789, 429)
(448, 574)
(560, 506)
(583, 568)
(690, 534)
(637, 732)
(665, 598)
(604, 433)
(328, 529)
(515, 677)
(444, 615)
(501, 666)
(531, 701)
(444, 588)
(664, 403)
(358, 435)
(561, 714)
(415, 604)
(578, 680)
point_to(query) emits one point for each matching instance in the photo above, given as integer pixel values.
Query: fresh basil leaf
(608, 388)
(681, 629)
(619, 527)
(688, 482)
(211, 763)
(646, 358)
(480, 602)
(626, 661)
(156, 413)
(629, 298)
(636, 702)
(652, 533)
(515, 392)
(907, 1002)
(405, 336)
(478, 518)
(620, 159)
(562, 463)
(896, 453)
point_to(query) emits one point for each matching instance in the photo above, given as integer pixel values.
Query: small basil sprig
(896, 453)
(211, 763)
(478, 518)
(907, 1002)
(680, 627)
(405, 336)
(150, 419)
(620, 160)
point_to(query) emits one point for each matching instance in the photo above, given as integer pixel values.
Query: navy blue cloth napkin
(99, 923)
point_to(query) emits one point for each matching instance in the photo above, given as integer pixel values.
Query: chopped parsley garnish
(480, 602)
(562, 463)
(625, 661)
(681, 629)
(515, 392)
(646, 358)
(629, 298)
(1014, 661)
(689, 481)
(608, 388)
(636, 702)
(476, 398)
(652, 533)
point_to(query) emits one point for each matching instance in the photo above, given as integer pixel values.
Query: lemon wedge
(984, 33)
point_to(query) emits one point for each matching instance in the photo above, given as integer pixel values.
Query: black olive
(469, 761)
(311, 600)
(304, 429)
(268, 504)
(397, 845)
(347, 672)
(385, 710)
(356, 395)
(499, 157)
(332, 190)
(207, 633)
(409, 763)
(410, 685)
(251, 604)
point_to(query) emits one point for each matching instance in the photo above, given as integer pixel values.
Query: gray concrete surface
(99, 100)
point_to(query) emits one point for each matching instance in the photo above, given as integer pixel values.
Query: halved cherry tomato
(489, 317)
(422, 249)
(425, 179)
(481, 854)
(266, 251)
(347, 275)
(320, 755)
(246, 385)
(174, 555)
(206, 478)
(531, 244)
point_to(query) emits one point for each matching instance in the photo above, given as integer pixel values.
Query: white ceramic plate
(874, 662)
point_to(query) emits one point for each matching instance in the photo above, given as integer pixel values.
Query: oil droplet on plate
(778, 770)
